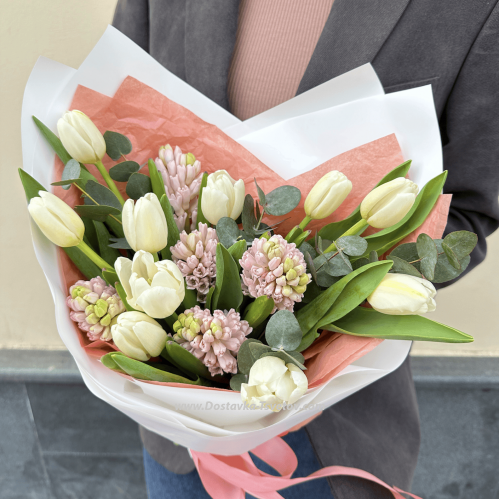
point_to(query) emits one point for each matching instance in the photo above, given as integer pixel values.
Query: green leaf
(258, 311)
(228, 294)
(309, 315)
(307, 247)
(228, 231)
(156, 179)
(208, 302)
(258, 349)
(121, 172)
(336, 229)
(138, 185)
(334, 266)
(452, 258)
(115, 226)
(402, 267)
(111, 277)
(262, 196)
(117, 144)
(90, 235)
(444, 270)
(142, 371)
(54, 141)
(120, 243)
(294, 233)
(360, 263)
(200, 218)
(310, 266)
(364, 322)
(282, 200)
(237, 250)
(373, 256)
(352, 245)
(96, 212)
(461, 243)
(237, 380)
(245, 356)
(173, 231)
(283, 331)
(288, 357)
(325, 280)
(71, 174)
(406, 251)
(190, 298)
(426, 199)
(82, 262)
(248, 216)
(31, 186)
(184, 360)
(102, 195)
(428, 254)
(301, 238)
(105, 251)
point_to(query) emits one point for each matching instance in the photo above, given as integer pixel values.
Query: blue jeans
(162, 483)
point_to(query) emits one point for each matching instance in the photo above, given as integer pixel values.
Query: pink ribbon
(232, 476)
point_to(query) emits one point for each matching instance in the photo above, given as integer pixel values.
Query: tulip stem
(304, 223)
(109, 181)
(355, 230)
(94, 257)
(155, 257)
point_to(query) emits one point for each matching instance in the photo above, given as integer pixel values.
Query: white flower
(272, 383)
(389, 203)
(144, 224)
(81, 137)
(399, 294)
(157, 288)
(138, 336)
(327, 195)
(57, 220)
(222, 197)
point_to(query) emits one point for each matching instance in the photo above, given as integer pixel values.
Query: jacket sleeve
(132, 19)
(469, 129)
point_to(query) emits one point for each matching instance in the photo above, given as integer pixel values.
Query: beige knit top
(274, 44)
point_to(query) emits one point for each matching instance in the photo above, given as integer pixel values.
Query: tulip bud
(81, 137)
(144, 224)
(57, 221)
(387, 204)
(138, 336)
(401, 294)
(222, 197)
(327, 195)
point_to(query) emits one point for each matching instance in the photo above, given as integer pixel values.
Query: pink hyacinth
(194, 255)
(277, 269)
(182, 178)
(95, 307)
(215, 339)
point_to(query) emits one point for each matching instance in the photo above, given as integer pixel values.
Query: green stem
(155, 256)
(94, 257)
(304, 223)
(355, 230)
(109, 181)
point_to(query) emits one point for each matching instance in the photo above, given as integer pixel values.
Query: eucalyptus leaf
(324, 280)
(450, 255)
(283, 331)
(120, 243)
(121, 172)
(288, 357)
(406, 251)
(373, 257)
(346, 260)
(258, 349)
(117, 144)
(307, 247)
(427, 251)
(237, 380)
(228, 231)
(96, 212)
(248, 216)
(402, 267)
(138, 185)
(461, 243)
(332, 264)
(102, 195)
(352, 245)
(71, 174)
(245, 357)
(258, 310)
(282, 200)
(444, 270)
(262, 196)
(360, 263)
(310, 265)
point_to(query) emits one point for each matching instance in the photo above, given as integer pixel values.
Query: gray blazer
(451, 44)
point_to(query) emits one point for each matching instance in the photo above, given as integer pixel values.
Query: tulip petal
(64, 212)
(129, 224)
(214, 205)
(123, 268)
(266, 370)
(75, 145)
(393, 212)
(128, 343)
(148, 227)
(152, 337)
(239, 199)
(159, 302)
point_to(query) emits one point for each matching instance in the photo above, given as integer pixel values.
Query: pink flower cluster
(94, 306)
(277, 269)
(215, 339)
(182, 178)
(194, 255)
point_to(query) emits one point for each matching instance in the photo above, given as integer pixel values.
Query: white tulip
(387, 204)
(81, 137)
(157, 288)
(138, 336)
(57, 220)
(399, 294)
(272, 383)
(144, 224)
(222, 197)
(327, 195)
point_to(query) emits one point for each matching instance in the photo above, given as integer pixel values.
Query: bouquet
(195, 276)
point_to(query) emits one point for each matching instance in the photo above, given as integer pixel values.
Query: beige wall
(66, 30)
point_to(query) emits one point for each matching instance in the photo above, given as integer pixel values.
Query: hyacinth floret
(182, 177)
(94, 306)
(215, 338)
(277, 269)
(194, 255)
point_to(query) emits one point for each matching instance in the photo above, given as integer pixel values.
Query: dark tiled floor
(59, 441)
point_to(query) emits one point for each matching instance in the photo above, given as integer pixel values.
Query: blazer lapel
(353, 34)
(210, 35)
